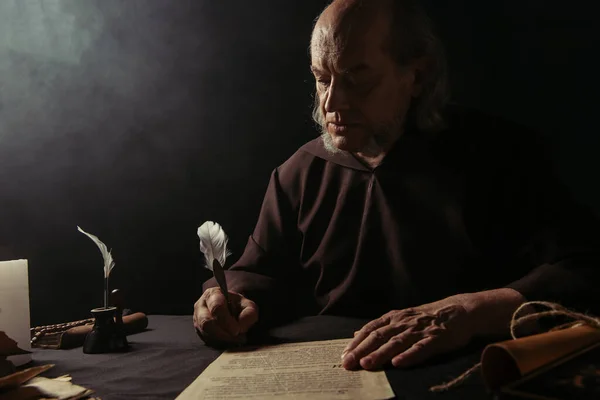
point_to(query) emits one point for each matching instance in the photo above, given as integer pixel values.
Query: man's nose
(337, 98)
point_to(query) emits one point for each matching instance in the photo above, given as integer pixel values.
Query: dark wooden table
(166, 358)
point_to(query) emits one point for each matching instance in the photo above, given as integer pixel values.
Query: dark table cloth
(166, 358)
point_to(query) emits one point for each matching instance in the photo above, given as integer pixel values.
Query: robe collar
(410, 140)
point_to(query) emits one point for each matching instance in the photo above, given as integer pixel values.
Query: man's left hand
(411, 336)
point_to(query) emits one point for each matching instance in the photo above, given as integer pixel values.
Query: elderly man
(437, 222)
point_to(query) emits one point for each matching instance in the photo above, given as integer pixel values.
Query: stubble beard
(380, 139)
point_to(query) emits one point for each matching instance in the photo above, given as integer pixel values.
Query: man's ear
(419, 69)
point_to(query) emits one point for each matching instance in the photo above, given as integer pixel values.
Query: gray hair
(412, 36)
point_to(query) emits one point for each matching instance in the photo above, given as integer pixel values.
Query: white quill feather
(213, 243)
(108, 260)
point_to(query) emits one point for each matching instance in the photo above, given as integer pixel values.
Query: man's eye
(360, 86)
(323, 82)
(356, 82)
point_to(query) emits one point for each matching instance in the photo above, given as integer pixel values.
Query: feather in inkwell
(213, 244)
(109, 263)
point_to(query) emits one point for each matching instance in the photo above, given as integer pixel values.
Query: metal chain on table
(39, 332)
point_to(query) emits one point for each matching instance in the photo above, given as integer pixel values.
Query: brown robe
(472, 208)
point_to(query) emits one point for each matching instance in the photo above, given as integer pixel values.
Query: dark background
(140, 119)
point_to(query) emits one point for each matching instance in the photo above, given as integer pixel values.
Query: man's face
(362, 94)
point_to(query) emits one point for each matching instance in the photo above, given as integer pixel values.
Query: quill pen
(109, 263)
(213, 244)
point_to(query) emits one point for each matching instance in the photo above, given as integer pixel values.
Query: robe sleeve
(268, 268)
(560, 238)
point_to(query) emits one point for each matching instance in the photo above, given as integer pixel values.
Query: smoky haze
(140, 119)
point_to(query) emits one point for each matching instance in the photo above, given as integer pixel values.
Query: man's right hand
(214, 323)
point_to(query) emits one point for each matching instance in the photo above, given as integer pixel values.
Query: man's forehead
(342, 14)
(354, 55)
(348, 38)
(326, 44)
(318, 67)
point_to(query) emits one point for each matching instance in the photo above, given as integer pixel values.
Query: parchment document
(310, 370)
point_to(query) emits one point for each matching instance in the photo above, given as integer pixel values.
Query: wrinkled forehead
(341, 40)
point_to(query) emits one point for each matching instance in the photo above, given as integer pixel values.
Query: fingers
(394, 346)
(372, 342)
(214, 322)
(248, 314)
(419, 352)
(208, 327)
(403, 350)
(404, 337)
(367, 340)
(217, 306)
(210, 331)
(362, 334)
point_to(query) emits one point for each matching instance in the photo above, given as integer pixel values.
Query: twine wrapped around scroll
(582, 331)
